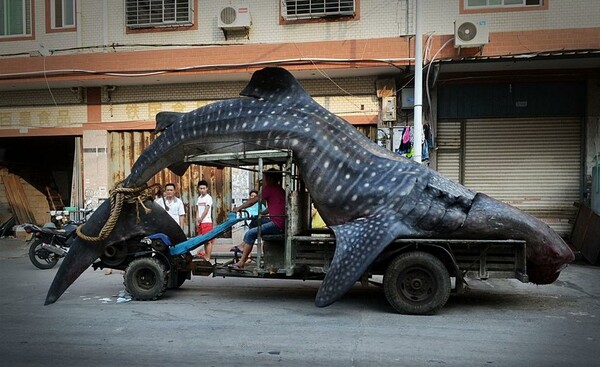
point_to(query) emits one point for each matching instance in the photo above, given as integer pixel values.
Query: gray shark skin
(368, 195)
(82, 253)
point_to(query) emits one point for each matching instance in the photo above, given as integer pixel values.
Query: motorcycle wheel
(41, 258)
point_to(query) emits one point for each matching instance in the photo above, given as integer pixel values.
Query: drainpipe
(105, 23)
(78, 21)
(418, 108)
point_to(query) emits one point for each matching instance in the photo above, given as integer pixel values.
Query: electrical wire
(48, 84)
(294, 61)
(428, 93)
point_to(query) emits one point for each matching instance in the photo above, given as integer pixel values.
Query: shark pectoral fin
(79, 258)
(358, 243)
(166, 119)
(179, 168)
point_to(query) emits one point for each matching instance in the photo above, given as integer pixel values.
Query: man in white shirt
(204, 216)
(172, 204)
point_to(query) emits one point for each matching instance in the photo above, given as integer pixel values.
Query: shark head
(547, 252)
(133, 223)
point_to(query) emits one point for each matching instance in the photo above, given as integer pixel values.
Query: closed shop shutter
(533, 164)
(449, 149)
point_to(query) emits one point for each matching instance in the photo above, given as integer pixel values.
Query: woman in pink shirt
(274, 195)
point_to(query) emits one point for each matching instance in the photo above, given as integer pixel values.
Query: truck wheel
(145, 279)
(416, 283)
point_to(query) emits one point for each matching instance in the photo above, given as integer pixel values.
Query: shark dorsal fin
(166, 119)
(270, 82)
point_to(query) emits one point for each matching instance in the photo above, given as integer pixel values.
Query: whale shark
(368, 195)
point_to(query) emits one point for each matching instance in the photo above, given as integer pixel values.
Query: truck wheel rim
(146, 278)
(416, 284)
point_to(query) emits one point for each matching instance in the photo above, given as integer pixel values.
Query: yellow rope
(118, 195)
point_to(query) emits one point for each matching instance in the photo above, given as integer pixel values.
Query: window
(15, 18)
(309, 9)
(478, 4)
(62, 13)
(158, 13)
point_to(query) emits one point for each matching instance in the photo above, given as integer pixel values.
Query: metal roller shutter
(533, 164)
(449, 149)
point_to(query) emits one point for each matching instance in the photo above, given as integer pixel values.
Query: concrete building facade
(99, 71)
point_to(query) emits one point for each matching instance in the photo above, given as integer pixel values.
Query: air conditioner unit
(234, 17)
(471, 33)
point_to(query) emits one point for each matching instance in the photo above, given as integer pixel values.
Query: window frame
(284, 19)
(26, 17)
(464, 9)
(190, 24)
(50, 17)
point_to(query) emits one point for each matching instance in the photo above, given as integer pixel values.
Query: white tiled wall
(378, 18)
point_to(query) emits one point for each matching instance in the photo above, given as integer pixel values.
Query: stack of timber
(26, 204)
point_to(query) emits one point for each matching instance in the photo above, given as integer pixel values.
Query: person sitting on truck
(255, 209)
(274, 195)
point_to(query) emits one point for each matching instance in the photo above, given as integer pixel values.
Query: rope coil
(119, 195)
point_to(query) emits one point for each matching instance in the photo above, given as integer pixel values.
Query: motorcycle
(49, 244)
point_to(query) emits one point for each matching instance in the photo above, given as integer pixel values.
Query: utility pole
(418, 107)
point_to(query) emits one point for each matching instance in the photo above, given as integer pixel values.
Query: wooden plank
(581, 226)
(590, 245)
(17, 199)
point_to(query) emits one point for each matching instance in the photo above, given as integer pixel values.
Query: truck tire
(416, 283)
(145, 279)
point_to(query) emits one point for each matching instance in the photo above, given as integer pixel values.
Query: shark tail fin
(166, 119)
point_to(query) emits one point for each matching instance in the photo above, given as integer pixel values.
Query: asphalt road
(252, 322)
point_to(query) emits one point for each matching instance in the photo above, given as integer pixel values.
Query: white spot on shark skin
(313, 150)
(326, 164)
(347, 177)
(295, 142)
(358, 161)
(354, 197)
(338, 188)
(249, 112)
(307, 129)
